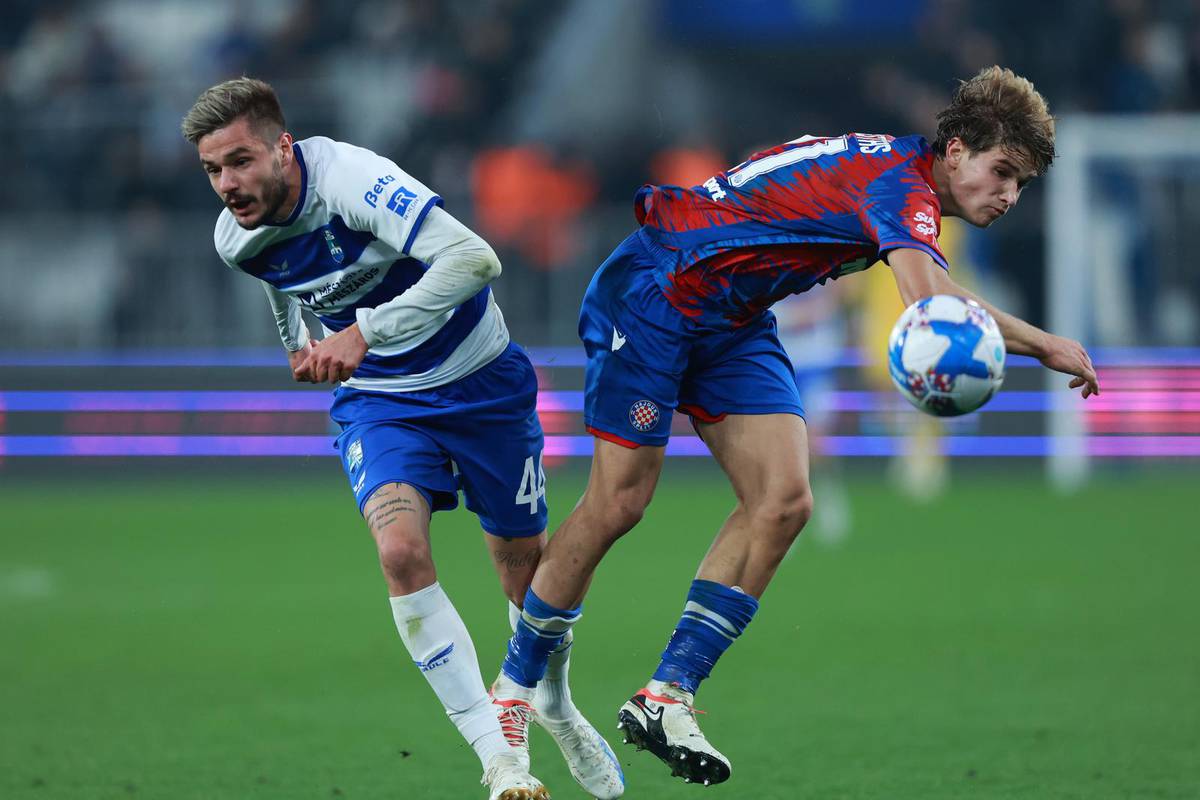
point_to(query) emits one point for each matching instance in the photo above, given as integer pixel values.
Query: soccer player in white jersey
(433, 398)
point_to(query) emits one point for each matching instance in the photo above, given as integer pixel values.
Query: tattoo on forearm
(385, 512)
(514, 561)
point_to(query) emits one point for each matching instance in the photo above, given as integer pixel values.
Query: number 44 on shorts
(533, 484)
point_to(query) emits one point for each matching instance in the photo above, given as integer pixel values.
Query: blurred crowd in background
(535, 119)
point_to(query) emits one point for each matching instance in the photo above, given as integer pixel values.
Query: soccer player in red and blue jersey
(678, 318)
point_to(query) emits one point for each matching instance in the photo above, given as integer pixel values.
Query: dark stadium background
(189, 605)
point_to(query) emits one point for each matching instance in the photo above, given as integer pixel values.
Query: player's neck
(941, 187)
(293, 178)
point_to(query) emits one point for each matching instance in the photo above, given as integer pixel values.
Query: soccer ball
(946, 355)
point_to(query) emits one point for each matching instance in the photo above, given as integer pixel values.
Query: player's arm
(293, 333)
(373, 194)
(918, 275)
(460, 265)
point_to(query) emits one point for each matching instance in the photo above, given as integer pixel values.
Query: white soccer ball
(946, 355)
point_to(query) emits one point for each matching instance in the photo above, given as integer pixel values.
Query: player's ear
(284, 146)
(956, 150)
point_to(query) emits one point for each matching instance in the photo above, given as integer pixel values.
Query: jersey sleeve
(900, 210)
(373, 194)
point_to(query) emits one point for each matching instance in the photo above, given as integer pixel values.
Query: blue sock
(540, 630)
(713, 617)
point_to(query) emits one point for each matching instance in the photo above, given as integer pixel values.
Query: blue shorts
(480, 434)
(645, 359)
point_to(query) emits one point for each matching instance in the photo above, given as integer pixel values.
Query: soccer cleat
(514, 715)
(591, 761)
(510, 780)
(666, 726)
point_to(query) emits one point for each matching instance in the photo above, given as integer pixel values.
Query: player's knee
(786, 510)
(405, 559)
(623, 510)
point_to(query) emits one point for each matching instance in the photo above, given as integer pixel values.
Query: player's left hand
(1068, 356)
(333, 359)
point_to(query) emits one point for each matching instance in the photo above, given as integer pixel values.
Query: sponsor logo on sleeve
(375, 192)
(401, 202)
(926, 224)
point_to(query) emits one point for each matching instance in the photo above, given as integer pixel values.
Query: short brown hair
(220, 105)
(999, 108)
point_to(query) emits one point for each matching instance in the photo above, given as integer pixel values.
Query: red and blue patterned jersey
(789, 218)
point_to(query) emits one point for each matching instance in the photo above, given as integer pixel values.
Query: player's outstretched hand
(296, 357)
(1068, 356)
(333, 359)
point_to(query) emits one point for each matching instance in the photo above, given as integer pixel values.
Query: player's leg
(766, 459)
(743, 399)
(400, 476)
(637, 349)
(435, 635)
(498, 452)
(620, 487)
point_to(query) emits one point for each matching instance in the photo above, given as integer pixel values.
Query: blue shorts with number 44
(645, 359)
(480, 435)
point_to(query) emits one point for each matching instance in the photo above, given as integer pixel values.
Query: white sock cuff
(420, 603)
(514, 615)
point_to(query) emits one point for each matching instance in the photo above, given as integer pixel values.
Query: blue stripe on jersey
(416, 226)
(309, 256)
(432, 351)
(403, 273)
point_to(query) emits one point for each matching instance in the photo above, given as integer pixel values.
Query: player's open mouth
(240, 205)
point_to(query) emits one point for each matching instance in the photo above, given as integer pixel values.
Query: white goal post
(1071, 232)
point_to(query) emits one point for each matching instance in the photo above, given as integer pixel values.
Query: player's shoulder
(872, 144)
(346, 175)
(229, 238)
(914, 145)
(320, 153)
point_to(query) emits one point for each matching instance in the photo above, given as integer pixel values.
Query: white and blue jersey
(348, 248)
(443, 401)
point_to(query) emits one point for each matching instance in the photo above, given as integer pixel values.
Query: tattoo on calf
(514, 560)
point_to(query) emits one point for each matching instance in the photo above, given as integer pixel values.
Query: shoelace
(575, 737)
(514, 724)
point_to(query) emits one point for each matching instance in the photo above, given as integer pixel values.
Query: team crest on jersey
(335, 249)
(644, 415)
(354, 455)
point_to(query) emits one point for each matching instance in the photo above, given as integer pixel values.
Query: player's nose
(1010, 195)
(226, 182)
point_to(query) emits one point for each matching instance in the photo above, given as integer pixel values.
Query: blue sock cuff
(736, 606)
(538, 608)
(540, 630)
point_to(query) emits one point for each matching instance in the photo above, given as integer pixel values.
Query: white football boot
(591, 761)
(665, 724)
(508, 779)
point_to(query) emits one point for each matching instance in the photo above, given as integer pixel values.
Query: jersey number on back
(819, 147)
(533, 484)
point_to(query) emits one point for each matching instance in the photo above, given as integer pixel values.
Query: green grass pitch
(194, 637)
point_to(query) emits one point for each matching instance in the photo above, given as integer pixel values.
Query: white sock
(553, 697)
(439, 644)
